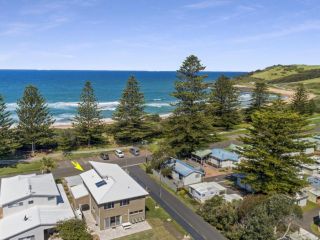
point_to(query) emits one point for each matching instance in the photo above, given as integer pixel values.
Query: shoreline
(104, 120)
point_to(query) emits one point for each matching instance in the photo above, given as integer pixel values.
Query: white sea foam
(158, 105)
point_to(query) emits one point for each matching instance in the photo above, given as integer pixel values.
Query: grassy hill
(286, 77)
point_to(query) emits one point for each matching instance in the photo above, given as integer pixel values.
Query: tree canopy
(188, 128)
(7, 140)
(300, 101)
(87, 122)
(224, 103)
(272, 150)
(130, 125)
(259, 98)
(73, 229)
(35, 120)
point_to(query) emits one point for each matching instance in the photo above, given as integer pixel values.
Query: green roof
(202, 153)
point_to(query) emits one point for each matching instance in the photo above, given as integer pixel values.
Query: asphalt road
(66, 169)
(190, 221)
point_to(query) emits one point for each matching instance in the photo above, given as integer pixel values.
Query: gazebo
(201, 155)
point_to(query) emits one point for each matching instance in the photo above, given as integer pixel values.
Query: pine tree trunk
(33, 148)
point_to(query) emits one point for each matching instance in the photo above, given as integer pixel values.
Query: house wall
(81, 201)
(38, 233)
(204, 196)
(192, 178)
(135, 204)
(302, 202)
(1, 212)
(24, 204)
(312, 198)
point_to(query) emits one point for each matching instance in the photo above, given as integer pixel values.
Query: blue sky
(157, 34)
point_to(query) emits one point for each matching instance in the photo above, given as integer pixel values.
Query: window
(136, 212)
(30, 202)
(109, 205)
(51, 198)
(124, 202)
(28, 238)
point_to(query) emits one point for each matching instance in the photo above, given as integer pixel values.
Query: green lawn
(310, 206)
(161, 228)
(20, 168)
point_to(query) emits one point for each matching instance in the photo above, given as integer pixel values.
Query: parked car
(134, 151)
(119, 153)
(104, 156)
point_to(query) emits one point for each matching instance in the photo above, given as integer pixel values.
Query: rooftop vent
(101, 183)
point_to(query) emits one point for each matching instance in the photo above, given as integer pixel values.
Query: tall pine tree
(224, 103)
(300, 101)
(270, 165)
(7, 141)
(87, 122)
(129, 116)
(259, 98)
(189, 129)
(35, 120)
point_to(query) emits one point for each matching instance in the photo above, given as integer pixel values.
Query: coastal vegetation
(87, 122)
(188, 128)
(35, 120)
(257, 217)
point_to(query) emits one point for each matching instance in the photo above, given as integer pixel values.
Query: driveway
(66, 169)
(190, 221)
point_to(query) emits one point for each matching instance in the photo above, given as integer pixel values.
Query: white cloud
(307, 26)
(207, 4)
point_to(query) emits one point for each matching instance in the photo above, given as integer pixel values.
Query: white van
(119, 153)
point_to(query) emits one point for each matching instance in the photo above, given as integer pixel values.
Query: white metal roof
(73, 180)
(22, 186)
(207, 186)
(117, 184)
(232, 197)
(33, 217)
(79, 191)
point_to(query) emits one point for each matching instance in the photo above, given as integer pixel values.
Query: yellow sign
(77, 165)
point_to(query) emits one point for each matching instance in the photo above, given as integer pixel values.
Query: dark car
(104, 156)
(134, 151)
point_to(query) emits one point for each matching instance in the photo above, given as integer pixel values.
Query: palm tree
(47, 165)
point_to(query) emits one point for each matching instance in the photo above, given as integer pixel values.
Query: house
(80, 196)
(223, 159)
(314, 143)
(309, 169)
(314, 195)
(183, 173)
(206, 190)
(201, 155)
(114, 197)
(240, 182)
(314, 180)
(31, 205)
(302, 234)
(232, 197)
(301, 198)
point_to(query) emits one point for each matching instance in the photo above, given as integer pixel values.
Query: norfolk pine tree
(188, 128)
(87, 122)
(129, 116)
(224, 103)
(259, 98)
(7, 140)
(35, 121)
(300, 101)
(269, 166)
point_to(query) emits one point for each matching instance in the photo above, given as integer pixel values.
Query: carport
(201, 155)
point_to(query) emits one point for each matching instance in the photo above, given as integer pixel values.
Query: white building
(224, 159)
(232, 197)
(184, 174)
(206, 190)
(30, 206)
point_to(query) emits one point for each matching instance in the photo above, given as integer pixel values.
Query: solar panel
(101, 183)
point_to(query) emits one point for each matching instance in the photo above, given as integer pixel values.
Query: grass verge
(20, 168)
(161, 227)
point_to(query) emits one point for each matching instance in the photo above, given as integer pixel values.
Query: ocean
(62, 88)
